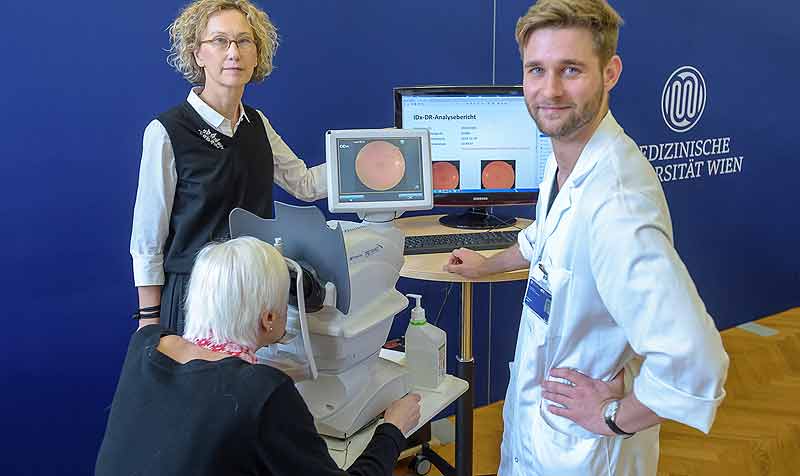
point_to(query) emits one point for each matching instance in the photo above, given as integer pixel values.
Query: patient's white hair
(231, 285)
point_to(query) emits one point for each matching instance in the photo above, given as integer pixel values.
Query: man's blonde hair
(595, 15)
(186, 31)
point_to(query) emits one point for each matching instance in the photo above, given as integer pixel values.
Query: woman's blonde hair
(232, 284)
(595, 15)
(185, 35)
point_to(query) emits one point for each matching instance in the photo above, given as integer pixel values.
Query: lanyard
(540, 241)
(538, 250)
(544, 271)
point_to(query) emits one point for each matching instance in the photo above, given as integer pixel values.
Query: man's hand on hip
(583, 399)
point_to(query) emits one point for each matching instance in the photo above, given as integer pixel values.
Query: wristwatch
(610, 415)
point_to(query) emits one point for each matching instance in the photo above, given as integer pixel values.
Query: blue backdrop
(80, 85)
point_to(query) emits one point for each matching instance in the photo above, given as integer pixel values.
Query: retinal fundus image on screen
(446, 175)
(381, 168)
(380, 165)
(498, 174)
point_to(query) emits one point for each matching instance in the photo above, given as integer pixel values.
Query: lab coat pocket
(559, 280)
(511, 377)
(568, 454)
(508, 410)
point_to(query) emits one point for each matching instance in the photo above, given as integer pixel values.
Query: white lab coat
(619, 289)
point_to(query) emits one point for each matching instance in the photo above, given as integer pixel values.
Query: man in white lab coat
(614, 336)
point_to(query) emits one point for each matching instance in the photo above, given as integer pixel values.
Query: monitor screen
(374, 171)
(486, 149)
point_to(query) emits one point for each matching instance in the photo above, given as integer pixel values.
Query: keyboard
(485, 240)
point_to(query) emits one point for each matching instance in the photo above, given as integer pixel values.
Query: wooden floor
(757, 430)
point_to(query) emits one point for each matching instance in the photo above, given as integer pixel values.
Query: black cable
(444, 301)
(504, 223)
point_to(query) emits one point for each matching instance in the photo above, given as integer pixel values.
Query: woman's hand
(404, 413)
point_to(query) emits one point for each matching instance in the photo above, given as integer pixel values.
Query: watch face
(611, 409)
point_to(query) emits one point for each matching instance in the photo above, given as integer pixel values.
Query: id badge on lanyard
(538, 296)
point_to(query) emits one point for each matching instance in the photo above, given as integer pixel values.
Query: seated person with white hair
(200, 405)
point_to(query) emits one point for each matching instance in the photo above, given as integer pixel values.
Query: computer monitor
(379, 173)
(486, 149)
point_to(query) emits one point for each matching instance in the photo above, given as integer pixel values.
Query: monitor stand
(476, 218)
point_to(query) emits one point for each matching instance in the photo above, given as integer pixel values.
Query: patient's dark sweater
(219, 418)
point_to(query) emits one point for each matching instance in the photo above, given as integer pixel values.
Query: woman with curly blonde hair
(210, 154)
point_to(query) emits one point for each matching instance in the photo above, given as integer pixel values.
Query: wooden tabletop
(429, 266)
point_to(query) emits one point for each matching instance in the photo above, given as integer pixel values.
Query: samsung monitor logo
(683, 99)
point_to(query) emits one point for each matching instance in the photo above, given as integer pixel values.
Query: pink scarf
(231, 348)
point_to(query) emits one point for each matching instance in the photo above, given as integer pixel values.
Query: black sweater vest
(216, 174)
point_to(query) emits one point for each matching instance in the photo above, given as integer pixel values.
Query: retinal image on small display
(379, 165)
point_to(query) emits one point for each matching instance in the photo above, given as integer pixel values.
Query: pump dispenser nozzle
(417, 313)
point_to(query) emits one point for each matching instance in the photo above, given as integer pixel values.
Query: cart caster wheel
(420, 465)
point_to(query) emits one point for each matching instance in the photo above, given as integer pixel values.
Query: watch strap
(610, 417)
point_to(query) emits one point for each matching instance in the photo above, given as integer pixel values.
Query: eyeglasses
(221, 43)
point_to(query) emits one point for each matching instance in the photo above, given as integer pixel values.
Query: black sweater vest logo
(211, 137)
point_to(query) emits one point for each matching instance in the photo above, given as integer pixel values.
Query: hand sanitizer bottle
(426, 349)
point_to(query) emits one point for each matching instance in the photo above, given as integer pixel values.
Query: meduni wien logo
(683, 99)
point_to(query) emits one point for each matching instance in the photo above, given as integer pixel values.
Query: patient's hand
(404, 413)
